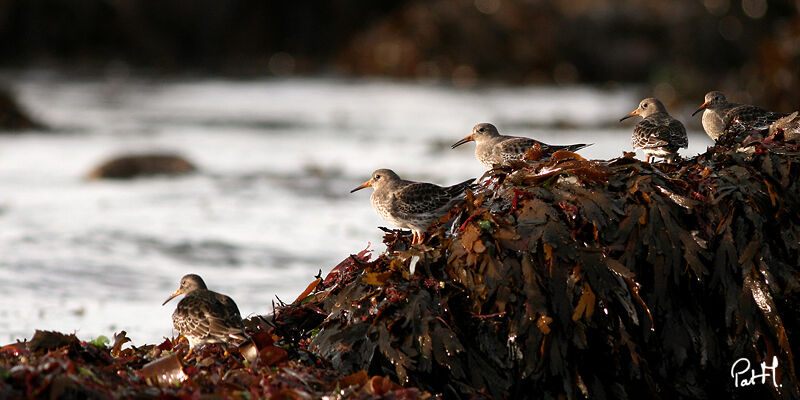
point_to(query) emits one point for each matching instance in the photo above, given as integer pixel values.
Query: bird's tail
(238, 335)
(459, 188)
(572, 147)
(773, 116)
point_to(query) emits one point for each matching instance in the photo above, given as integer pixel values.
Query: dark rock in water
(132, 166)
(12, 116)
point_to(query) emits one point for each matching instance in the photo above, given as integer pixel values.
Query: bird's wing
(228, 313)
(677, 134)
(659, 132)
(420, 198)
(515, 148)
(750, 116)
(190, 318)
(208, 316)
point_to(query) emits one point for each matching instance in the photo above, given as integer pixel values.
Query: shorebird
(411, 205)
(719, 115)
(492, 148)
(657, 134)
(204, 316)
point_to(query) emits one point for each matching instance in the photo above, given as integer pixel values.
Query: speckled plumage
(492, 148)
(204, 316)
(657, 134)
(411, 205)
(719, 115)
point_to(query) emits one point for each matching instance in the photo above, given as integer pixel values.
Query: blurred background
(283, 107)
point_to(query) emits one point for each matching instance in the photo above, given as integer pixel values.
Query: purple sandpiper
(204, 316)
(657, 134)
(719, 116)
(492, 148)
(411, 205)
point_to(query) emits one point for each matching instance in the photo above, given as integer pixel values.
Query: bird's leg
(182, 339)
(226, 353)
(186, 357)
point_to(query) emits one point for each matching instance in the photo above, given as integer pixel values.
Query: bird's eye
(482, 130)
(644, 105)
(377, 177)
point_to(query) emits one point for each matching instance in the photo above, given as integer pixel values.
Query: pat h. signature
(741, 369)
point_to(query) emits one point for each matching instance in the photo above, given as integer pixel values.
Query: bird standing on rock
(204, 316)
(657, 134)
(719, 115)
(492, 148)
(411, 205)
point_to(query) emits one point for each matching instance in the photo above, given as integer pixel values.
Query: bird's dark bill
(174, 295)
(363, 185)
(632, 114)
(702, 107)
(462, 141)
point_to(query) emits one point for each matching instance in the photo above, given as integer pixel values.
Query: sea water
(270, 205)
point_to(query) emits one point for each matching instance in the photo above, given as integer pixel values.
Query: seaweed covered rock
(137, 165)
(570, 278)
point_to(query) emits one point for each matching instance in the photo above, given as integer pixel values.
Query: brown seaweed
(575, 278)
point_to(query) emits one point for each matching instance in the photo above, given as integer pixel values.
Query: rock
(132, 166)
(12, 117)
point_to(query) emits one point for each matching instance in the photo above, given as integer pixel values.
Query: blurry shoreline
(680, 49)
(113, 78)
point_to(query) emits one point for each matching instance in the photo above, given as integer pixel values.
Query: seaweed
(571, 278)
(558, 278)
(53, 365)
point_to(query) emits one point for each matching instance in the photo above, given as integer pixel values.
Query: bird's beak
(176, 294)
(363, 185)
(702, 107)
(632, 114)
(462, 141)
